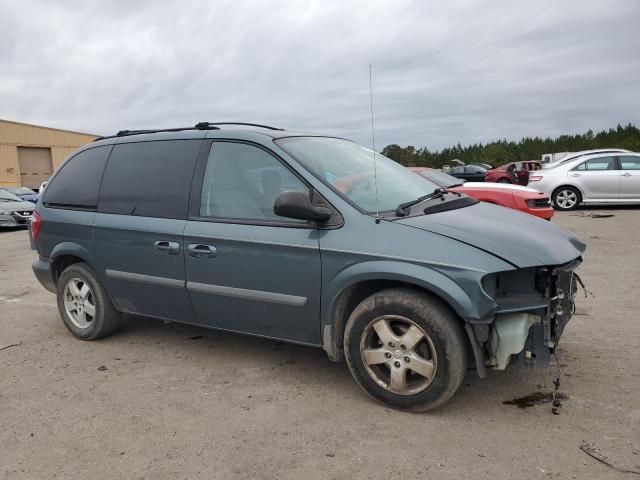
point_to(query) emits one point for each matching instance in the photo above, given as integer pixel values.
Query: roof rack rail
(205, 125)
(126, 133)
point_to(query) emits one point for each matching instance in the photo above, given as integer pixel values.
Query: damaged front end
(533, 306)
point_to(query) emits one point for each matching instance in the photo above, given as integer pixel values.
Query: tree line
(500, 152)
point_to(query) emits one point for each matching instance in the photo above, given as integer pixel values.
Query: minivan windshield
(440, 178)
(348, 168)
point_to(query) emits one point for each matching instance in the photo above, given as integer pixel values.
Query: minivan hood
(518, 238)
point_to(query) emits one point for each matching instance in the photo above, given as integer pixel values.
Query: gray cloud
(444, 72)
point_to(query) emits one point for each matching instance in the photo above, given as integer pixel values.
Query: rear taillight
(535, 178)
(36, 221)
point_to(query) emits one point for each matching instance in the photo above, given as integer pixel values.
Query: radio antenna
(373, 144)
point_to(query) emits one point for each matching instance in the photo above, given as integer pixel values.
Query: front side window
(596, 164)
(242, 182)
(629, 163)
(349, 169)
(77, 183)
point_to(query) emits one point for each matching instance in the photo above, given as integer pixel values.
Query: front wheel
(566, 198)
(503, 180)
(406, 349)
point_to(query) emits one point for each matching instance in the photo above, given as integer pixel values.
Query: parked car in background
(486, 166)
(597, 178)
(516, 197)
(14, 212)
(23, 193)
(404, 280)
(554, 161)
(469, 173)
(513, 172)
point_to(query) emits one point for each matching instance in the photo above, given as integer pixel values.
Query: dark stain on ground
(537, 398)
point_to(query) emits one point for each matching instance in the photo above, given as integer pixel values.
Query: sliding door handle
(164, 246)
(198, 250)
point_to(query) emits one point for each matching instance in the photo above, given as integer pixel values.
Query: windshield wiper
(401, 210)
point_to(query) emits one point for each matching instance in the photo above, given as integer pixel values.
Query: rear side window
(149, 179)
(77, 183)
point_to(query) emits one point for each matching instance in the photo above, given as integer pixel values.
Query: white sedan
(612, 178)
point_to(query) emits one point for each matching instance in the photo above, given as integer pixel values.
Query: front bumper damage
(533, 307)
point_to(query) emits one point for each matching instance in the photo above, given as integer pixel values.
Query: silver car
(597, 178)
(581, 154)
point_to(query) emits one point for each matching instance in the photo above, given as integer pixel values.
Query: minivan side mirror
(294, 204)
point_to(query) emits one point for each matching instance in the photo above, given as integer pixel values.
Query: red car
(514, 172)
(517, 197)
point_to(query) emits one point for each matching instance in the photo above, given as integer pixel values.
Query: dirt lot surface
(163, 401)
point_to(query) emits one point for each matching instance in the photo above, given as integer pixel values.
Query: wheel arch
(356, 283)
(66, 254)
(564, 185)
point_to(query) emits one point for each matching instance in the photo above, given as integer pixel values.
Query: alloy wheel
(398, 354)
(566, 199)
(79, 303)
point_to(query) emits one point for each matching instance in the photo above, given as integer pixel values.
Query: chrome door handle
(164, 246)
(575, 174)
(626, 174)
(199, 250)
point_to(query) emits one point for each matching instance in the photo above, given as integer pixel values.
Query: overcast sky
(443, 72)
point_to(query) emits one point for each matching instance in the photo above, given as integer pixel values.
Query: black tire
(444, 334)
(561, 198)
(105, 318)
(503, 180)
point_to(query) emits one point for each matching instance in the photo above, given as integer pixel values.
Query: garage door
(35, 166)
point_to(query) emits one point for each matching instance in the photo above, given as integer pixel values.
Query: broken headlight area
(533, 306)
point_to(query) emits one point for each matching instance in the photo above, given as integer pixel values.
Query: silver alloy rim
(398, 354)
(566, 198)
(79, 303)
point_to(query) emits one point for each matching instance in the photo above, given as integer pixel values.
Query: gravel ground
(172, 401)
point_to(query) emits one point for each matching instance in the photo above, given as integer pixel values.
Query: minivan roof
(200, 130)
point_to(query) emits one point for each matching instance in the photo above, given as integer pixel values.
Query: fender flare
(74, 249)
(421, 276)
(424, 277)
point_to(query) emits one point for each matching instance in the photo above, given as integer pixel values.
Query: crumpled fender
(427, 277)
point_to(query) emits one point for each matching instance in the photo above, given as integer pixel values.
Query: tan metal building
(29, 154)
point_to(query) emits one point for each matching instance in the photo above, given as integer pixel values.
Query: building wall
(14, 135)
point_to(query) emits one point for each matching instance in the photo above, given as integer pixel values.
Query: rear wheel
(566, 198)
(84, 306)
(406, 349)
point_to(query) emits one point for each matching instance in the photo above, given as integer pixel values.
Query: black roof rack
(198, 126)
(126, 133)
(213, 124)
